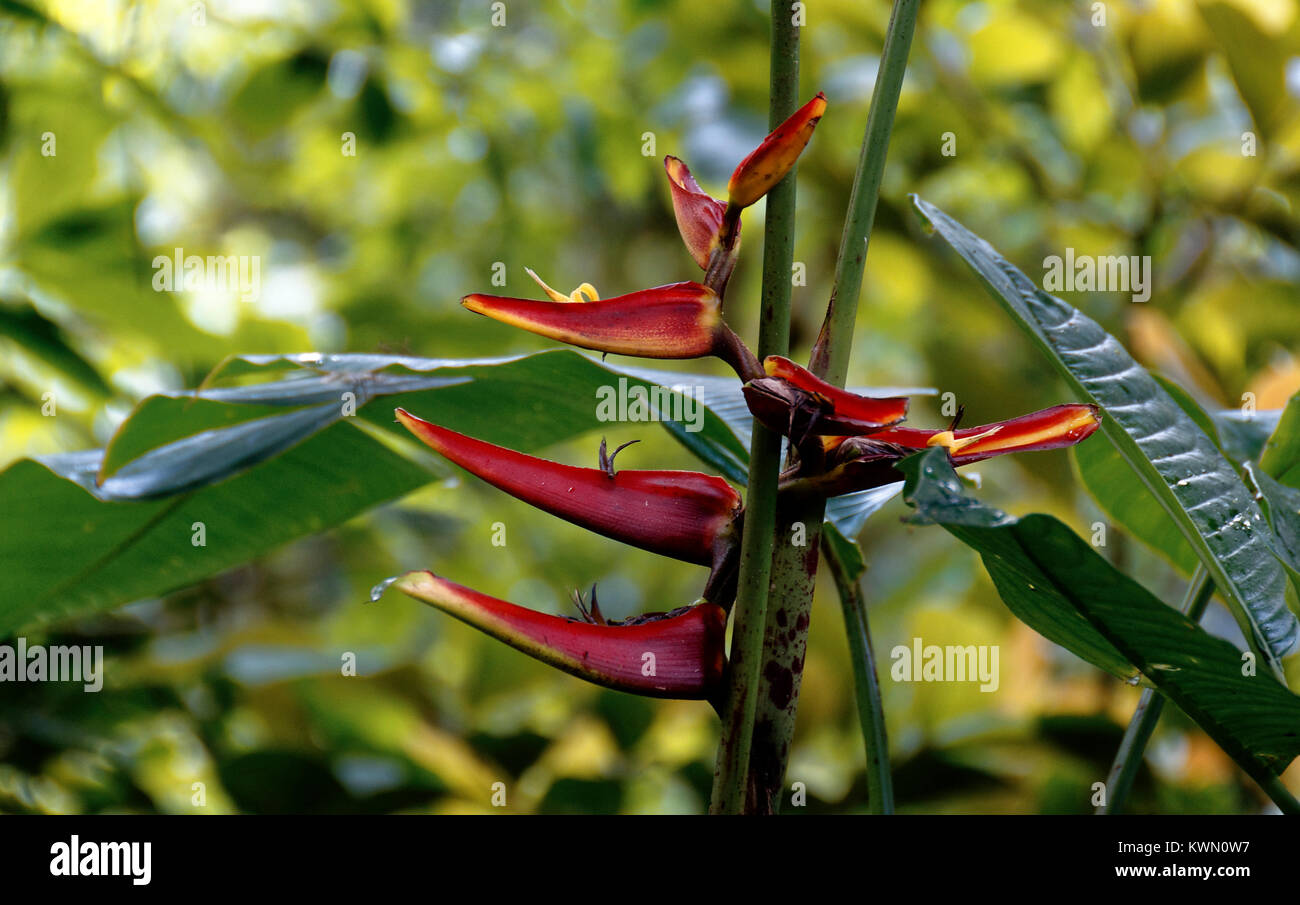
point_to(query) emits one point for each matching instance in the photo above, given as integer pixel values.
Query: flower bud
(772, 159)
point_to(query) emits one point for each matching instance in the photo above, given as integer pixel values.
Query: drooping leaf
(257, 465)
(188, 441)
(1169, 453)
(1055, 582)
(68, 552)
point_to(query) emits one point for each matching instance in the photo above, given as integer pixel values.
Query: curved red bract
(677, 656)
(681, 514)
(680, 320)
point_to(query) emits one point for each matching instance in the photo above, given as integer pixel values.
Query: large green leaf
(1056, 583)
(262, 463)
(68, 552)
(1161, 443)
(1129, 504)
(1126, 500)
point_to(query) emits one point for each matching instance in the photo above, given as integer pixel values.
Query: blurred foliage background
(218, 128)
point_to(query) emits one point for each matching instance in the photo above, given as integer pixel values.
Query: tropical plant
(1215, 493)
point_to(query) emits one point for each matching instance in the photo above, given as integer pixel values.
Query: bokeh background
(218, 128)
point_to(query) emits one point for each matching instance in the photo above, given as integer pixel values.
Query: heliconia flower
(699, 215)
(680, 320)
(682, 514)
(793, 401)
(670, 655)
(1050, 428)
(772, 159)
(861, 462)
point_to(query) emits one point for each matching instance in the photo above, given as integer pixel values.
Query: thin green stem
(830, 358)
(794, 567)
(1275, 789)
(1128, 759)
(866, 682)
(730, 777)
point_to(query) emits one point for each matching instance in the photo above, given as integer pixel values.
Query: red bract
(673, 655)
(1050, 428)
(682, 514)
(772, 159)
(699, 216)
(680, 320)
(795, 402)
(861, 462)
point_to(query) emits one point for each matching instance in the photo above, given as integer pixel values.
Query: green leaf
(1281, 456)
(68, 552)
(1173, 458)
(935, 492)
(45, 340)
(1258, 62)
(260, 464)
(1129, 504)
(1242, 435)
(1282, 506)
(181, 442)
(1056, 583)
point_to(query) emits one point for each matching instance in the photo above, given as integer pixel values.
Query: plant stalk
(794, 567)
(730, 776)
(830, 358)
(866, 683)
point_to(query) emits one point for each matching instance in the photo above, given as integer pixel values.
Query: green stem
(794, 579)
(1275, 789)
(866, 682)
(730, 777)
(794, 567)
(1128, 759)
(830, 358)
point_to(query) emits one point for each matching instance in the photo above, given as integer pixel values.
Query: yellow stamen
(584, 293)
(588, 290)
(949, 439)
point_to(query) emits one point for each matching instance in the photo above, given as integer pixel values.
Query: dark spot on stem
(780, 684)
